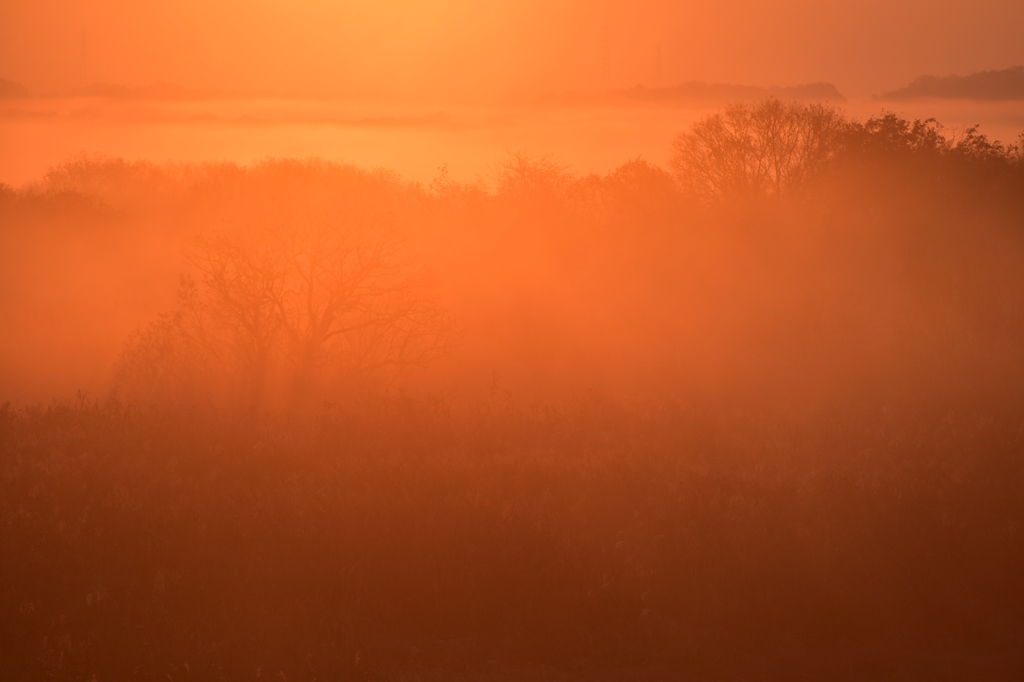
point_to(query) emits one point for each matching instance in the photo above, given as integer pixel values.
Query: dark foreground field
(406, 539)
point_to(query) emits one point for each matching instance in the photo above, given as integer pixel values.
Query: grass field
(602, 541)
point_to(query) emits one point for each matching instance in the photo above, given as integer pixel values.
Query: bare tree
(315, 304)
(171, 359)
(754, 150)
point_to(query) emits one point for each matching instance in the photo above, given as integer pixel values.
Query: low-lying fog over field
(142, 170)
(409, 137)
(461, 340)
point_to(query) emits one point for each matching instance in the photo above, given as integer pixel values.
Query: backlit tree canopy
(753, 150)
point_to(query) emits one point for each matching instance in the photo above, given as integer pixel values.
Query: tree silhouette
(300, 308)
(754, 150)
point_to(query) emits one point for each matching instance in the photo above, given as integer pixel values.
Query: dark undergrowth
(405, 539)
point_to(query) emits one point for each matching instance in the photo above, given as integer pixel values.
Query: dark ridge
(1005, 84)
(157, 91)
(11, 89)
(112, 90)
(699, 91)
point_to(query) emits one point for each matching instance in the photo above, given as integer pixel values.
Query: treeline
(787, 249)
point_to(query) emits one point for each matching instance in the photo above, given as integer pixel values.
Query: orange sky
(498, 47)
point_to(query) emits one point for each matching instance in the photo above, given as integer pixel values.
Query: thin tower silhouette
(605, 81)
(83, 68)
(657, 66)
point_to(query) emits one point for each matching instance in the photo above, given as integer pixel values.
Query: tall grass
(406, 538)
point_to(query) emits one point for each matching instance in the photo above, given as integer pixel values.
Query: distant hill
(1006, 84)
(699, 92)
(111, 90)
(166, 91)
(10, 89)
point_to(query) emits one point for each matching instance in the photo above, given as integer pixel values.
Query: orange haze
(497, 48)
(511, 339)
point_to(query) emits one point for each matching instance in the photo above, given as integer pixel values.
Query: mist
(460, 341)
(560, 282)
